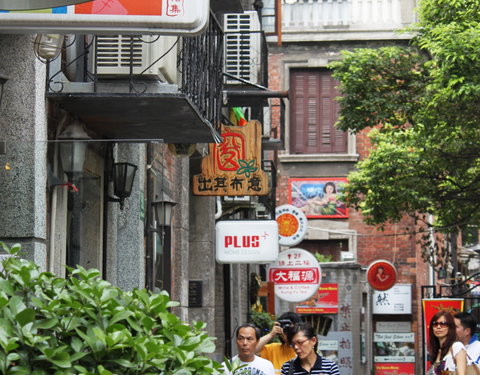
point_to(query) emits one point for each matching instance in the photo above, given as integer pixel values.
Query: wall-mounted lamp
(73, 148)
(163, 212)
(3, 79)
(48, 46)
(123, 177)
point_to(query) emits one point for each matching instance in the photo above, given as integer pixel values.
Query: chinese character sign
(233, 167)
(296, 275)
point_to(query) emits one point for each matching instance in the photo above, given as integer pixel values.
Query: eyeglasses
(440, 324)
(298, 343)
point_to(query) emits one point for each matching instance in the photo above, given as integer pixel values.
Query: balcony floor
(171, 118)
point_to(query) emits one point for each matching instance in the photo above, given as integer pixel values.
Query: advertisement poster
(394, 347)
(430, 308)
(318, 197)
(325, 301)
(394, 368)
(397, 300)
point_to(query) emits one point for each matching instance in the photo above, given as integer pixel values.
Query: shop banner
(325, 301)
(394, 368)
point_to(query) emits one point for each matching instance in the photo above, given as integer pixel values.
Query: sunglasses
(439, 324)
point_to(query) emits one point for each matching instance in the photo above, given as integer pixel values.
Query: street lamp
(73, 148)
(163, 212)
(3, 79)
(123, 177)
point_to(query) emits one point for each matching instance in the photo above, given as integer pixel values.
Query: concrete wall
(23, 128)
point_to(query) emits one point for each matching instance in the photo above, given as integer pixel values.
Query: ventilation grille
(242, 46)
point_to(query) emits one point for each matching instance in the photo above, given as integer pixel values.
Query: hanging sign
(325, 301)
(292, 224)
(396, 300)
(381, 275)
(246, 241)
(177, 17)
(296, 275)
(233, 167)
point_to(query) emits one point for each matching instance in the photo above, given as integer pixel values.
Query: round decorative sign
(296, 275)
(292, 224)
(381, 275)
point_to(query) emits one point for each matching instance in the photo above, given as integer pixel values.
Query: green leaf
(25, 316)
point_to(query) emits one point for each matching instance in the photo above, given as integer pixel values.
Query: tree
(422, 104)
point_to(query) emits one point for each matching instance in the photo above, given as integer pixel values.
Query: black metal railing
(202, 65)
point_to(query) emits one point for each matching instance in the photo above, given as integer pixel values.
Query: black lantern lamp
(123, 177)
(73, 148)
(3, 79)
(163, 212)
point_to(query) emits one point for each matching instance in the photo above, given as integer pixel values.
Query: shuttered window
(313, 113)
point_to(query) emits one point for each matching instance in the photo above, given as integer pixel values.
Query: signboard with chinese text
(246, 241)
(233, 167)
(343, 356)
(176, 17)
(394, 368)
(325, 301)
(319, 198)
(396, 300)
(394, 347)
(430, 307)
(381, 275)
(296, 275)
(292, 224)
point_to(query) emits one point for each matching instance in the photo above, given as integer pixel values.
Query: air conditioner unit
(119, 55)
(242, 46)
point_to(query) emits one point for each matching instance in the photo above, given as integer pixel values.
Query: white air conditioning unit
(242, 46)
(117, 55)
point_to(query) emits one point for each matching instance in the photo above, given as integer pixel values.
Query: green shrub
(84, 325)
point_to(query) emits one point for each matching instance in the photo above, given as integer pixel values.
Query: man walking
(466, 327)
(247, 336)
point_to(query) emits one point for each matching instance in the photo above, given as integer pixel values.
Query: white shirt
(473, 351)
(449, 361)
(259, 366)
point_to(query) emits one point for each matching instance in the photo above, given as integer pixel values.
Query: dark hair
(248, 325)
(293, 317)
(433, 343)
(329, 184)
(307, 330)
(467, 321)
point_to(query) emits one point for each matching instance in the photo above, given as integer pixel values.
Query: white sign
(394, 327)
(296, 275)
(396, 300)
(292, 224)
(246, 241)
(175, 17)
(394, 347)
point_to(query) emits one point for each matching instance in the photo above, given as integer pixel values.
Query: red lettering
(242, 241)
(228, 241)
(255, 241)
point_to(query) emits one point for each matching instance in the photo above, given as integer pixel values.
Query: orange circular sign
(292, 224)
(287, 225)
(381, 275)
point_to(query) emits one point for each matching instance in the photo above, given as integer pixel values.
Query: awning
(138, 117)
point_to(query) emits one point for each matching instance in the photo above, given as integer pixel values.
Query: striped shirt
(322, 366)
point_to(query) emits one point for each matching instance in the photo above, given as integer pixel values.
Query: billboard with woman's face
(319, 197)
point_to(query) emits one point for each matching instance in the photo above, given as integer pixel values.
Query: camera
(285, 323)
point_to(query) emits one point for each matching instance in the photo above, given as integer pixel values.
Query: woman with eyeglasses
(303, 339)
(446, 353)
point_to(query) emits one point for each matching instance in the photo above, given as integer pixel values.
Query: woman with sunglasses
(446, 353)
(303, 339)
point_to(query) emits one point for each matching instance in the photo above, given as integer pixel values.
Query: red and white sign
(325, 301)
(175, 17)
(296, 275)
(292, 224)
(394, 368)
(381, 275)
(246, 241)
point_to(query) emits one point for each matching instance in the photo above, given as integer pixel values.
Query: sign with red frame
(319, 198)
(325, 301)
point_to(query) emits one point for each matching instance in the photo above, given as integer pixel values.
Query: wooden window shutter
(314, 112)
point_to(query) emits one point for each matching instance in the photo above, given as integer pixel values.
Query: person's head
(303, 339)
(442, 333)
(329, 188)
(466, 326)
(380, 270)
(294, 318)
(247, 336)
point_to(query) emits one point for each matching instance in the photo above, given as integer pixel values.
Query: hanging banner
(325, 301)
(176, 17)
(430, 308)
(292, 224)
(234, 167)
(296, 275)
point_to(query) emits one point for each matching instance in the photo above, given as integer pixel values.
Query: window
(313, 113)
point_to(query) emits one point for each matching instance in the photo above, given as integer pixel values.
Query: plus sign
(265, 234)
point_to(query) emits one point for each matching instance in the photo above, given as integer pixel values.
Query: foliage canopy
(423, 104)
